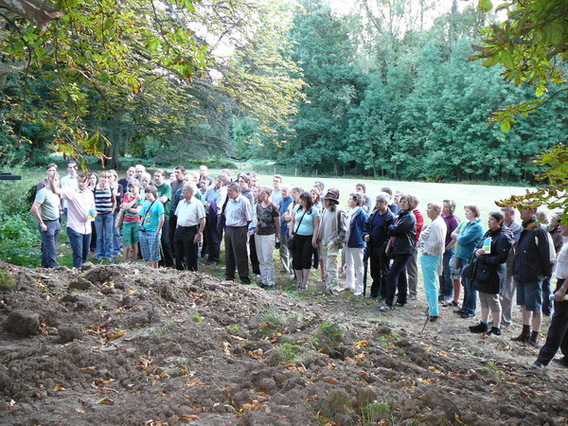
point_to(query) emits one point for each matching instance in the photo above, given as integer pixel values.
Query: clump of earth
(125, 344)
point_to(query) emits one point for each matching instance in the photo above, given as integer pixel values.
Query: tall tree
(325, 51)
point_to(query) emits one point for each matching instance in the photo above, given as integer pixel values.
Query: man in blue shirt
(283, 206)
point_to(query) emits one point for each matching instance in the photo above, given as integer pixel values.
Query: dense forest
(388, 89)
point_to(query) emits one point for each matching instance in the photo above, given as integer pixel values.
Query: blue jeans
(469, 297)
(546, 302)
(80, 245)
(446, 283)
(104, 224)
(429, 271)
(49, 243)
(116, 235)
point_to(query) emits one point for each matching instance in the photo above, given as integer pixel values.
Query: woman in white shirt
(432, 244)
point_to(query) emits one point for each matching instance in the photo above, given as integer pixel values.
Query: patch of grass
(287, 352)
(330, 336)
(274, 318)
(375, 411)
(337, 403)
(234, 328)
(164, 329)
(196, 317)
(491, 370)
(388, 339)
(383, 322)
(6, 281)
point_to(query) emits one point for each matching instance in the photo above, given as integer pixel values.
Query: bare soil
(123, 344)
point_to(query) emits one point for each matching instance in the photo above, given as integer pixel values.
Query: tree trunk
(32, 10)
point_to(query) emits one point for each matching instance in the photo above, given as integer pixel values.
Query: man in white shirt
(80, 213)
(277, 191)
(189, 231)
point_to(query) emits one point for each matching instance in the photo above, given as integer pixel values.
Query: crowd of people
(180, 219)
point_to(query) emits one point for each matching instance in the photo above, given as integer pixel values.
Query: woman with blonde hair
(355, 244)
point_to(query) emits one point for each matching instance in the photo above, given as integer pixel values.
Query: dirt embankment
(128, 345)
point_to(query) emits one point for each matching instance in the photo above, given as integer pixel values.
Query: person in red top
(412, 265)
(131, 204)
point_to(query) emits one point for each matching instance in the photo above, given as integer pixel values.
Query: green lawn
(482, 195)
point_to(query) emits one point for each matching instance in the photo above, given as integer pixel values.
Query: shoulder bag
(291, 240)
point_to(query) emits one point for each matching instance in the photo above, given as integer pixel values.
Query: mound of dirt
(124, 344)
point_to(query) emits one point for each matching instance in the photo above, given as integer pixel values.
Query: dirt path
(128, 345)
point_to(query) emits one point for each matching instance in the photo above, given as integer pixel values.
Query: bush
(19, 241)
(6, 281)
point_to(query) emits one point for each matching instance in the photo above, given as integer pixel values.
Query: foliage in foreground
(532, 46)
(19, 238)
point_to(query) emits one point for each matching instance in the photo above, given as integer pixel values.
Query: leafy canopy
(532, 46)
(106, 50)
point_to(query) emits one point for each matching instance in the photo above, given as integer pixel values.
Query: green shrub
(19, 241)
(6, 280)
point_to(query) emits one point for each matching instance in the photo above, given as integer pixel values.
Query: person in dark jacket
(490, 272)
(531, 264)
(402, 242)
(376, 236)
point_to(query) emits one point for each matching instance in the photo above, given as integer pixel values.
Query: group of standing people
(178, 219)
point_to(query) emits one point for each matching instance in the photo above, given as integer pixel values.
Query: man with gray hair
(238, 215)
(189, 231)
(377, 238)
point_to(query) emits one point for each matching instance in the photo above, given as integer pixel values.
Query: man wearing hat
(331, 238)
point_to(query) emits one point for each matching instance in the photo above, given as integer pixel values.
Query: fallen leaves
(331, 380)
(112, 336)
(257, 354)
(59, 388)
(106, 401)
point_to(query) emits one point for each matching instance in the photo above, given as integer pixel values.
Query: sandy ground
(123, 344)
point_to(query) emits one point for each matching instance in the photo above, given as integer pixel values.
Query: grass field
(483, 196)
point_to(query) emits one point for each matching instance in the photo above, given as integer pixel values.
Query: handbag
(469, 269)
(119, 219)
(290, 242)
